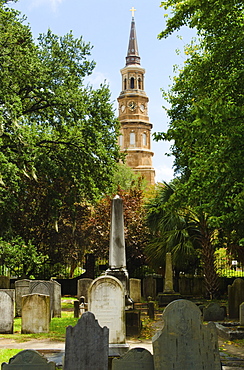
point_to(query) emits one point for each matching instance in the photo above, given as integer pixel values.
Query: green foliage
(206, 111)
(185, 233)
(58, 137)
(20, 258)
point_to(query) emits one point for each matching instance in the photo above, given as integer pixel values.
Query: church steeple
(135, 138)
(133, 53)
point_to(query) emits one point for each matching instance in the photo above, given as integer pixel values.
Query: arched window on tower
(132, 83)
(125, 84)
(139, 83)
(132, 138)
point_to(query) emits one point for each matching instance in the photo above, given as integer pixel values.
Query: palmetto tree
(183, 232)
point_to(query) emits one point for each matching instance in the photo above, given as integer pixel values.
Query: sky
(105, 24)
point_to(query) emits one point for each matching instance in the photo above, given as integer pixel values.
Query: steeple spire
(133, 53)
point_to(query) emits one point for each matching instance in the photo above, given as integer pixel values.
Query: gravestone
(241, 314)
(235, 297)
(35, 313)
(56, 299)
(6, 311)
(184, 342)
(149, 287)
(22, 287)
(51, 288)
(135, 359)
(106, 300)
(28, 360)
(213, 312)
(135, 289)
(86, 345)
(82, 288)
(133, 322)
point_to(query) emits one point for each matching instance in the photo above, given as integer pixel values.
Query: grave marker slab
(86, 345)
(235, 297)
(184, 342)
(213, 312)
(82, 288)
(106, 300)
(35, 313)
(22, 287)
(28, 360)
(136, 359)
(135, 289)
(6, 311)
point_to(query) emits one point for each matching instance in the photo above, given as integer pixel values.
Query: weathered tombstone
(28, 360)
(136, 359)
(135, 289)
(149, 287)
(6, 311)
(51, 288)
(35, 313)
(184, 342)
(45, 288)
(106, 300)
(150, 310)
(86, 345)
(213, 312)
(235, 297)
(22, 287)
(4, 282)
(241, 314)
(56, 299)
(82, 288)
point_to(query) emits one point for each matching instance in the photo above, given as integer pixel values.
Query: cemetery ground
(10, 344)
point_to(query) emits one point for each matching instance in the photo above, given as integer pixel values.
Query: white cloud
(164, 173)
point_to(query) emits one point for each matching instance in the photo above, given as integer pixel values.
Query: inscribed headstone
(136, 359)
(82, 288)
(6, 311)
(235, 297)
(86, 345)
(135, 289)
(45, 288)
(213, 312)
(184, 342)
(28, 360)
(106, 299)
(22, 287)
(35, 313)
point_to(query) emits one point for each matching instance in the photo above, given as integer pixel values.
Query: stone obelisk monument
(117, 257)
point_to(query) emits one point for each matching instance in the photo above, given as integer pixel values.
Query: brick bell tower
(135, 138)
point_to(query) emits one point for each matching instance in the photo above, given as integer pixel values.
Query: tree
(183, 232)
(206, 110)
(58, 137)
(136, 232)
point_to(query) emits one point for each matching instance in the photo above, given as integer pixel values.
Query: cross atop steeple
(133, 53)
(133, 11)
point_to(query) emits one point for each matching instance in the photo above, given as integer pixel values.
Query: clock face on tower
(123, 108)
(132, 105)
(142, 107)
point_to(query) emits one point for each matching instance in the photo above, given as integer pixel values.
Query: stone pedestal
(164, 299)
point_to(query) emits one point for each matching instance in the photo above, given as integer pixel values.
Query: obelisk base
(123, 276)
(165, 298)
